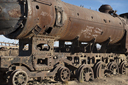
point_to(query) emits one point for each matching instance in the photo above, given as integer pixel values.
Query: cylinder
(87, 25)
(63, 21)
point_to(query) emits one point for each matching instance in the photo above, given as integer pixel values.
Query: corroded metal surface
(59, 19)
(9, 16)
(39, 23)
(15, 13)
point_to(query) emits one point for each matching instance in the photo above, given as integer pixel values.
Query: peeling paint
(98, 31)
(88, 31)
(46, 14)
(91, 32)
(15, 13)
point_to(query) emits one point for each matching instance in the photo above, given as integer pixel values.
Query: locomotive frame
(59, 66)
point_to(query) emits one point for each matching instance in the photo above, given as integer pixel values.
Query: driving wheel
(18, 77)
(100, 69)
(124, 68)
(64, 74)
(85, 73)
(113, 67)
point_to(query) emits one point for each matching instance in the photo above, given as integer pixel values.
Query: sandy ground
(113, 80)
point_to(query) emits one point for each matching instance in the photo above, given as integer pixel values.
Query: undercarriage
(39, 60)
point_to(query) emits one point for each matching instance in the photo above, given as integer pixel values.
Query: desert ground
(111, 80)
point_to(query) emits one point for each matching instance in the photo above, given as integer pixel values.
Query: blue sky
(120, 5)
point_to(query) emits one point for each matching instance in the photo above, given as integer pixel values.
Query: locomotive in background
(39, 23)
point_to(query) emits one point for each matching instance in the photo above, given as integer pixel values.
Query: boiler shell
(87, 25)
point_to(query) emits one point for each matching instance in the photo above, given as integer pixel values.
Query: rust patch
(15, 13)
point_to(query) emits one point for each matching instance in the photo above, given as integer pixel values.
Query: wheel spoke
(123, 67)
(90, 73)
(64, 74)
(19, 77)
(114, 68)
(85, 74)
(100, 68)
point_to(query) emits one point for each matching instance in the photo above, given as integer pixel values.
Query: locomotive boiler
(39, 23)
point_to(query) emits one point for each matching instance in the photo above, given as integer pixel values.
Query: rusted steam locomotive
(39, 23)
